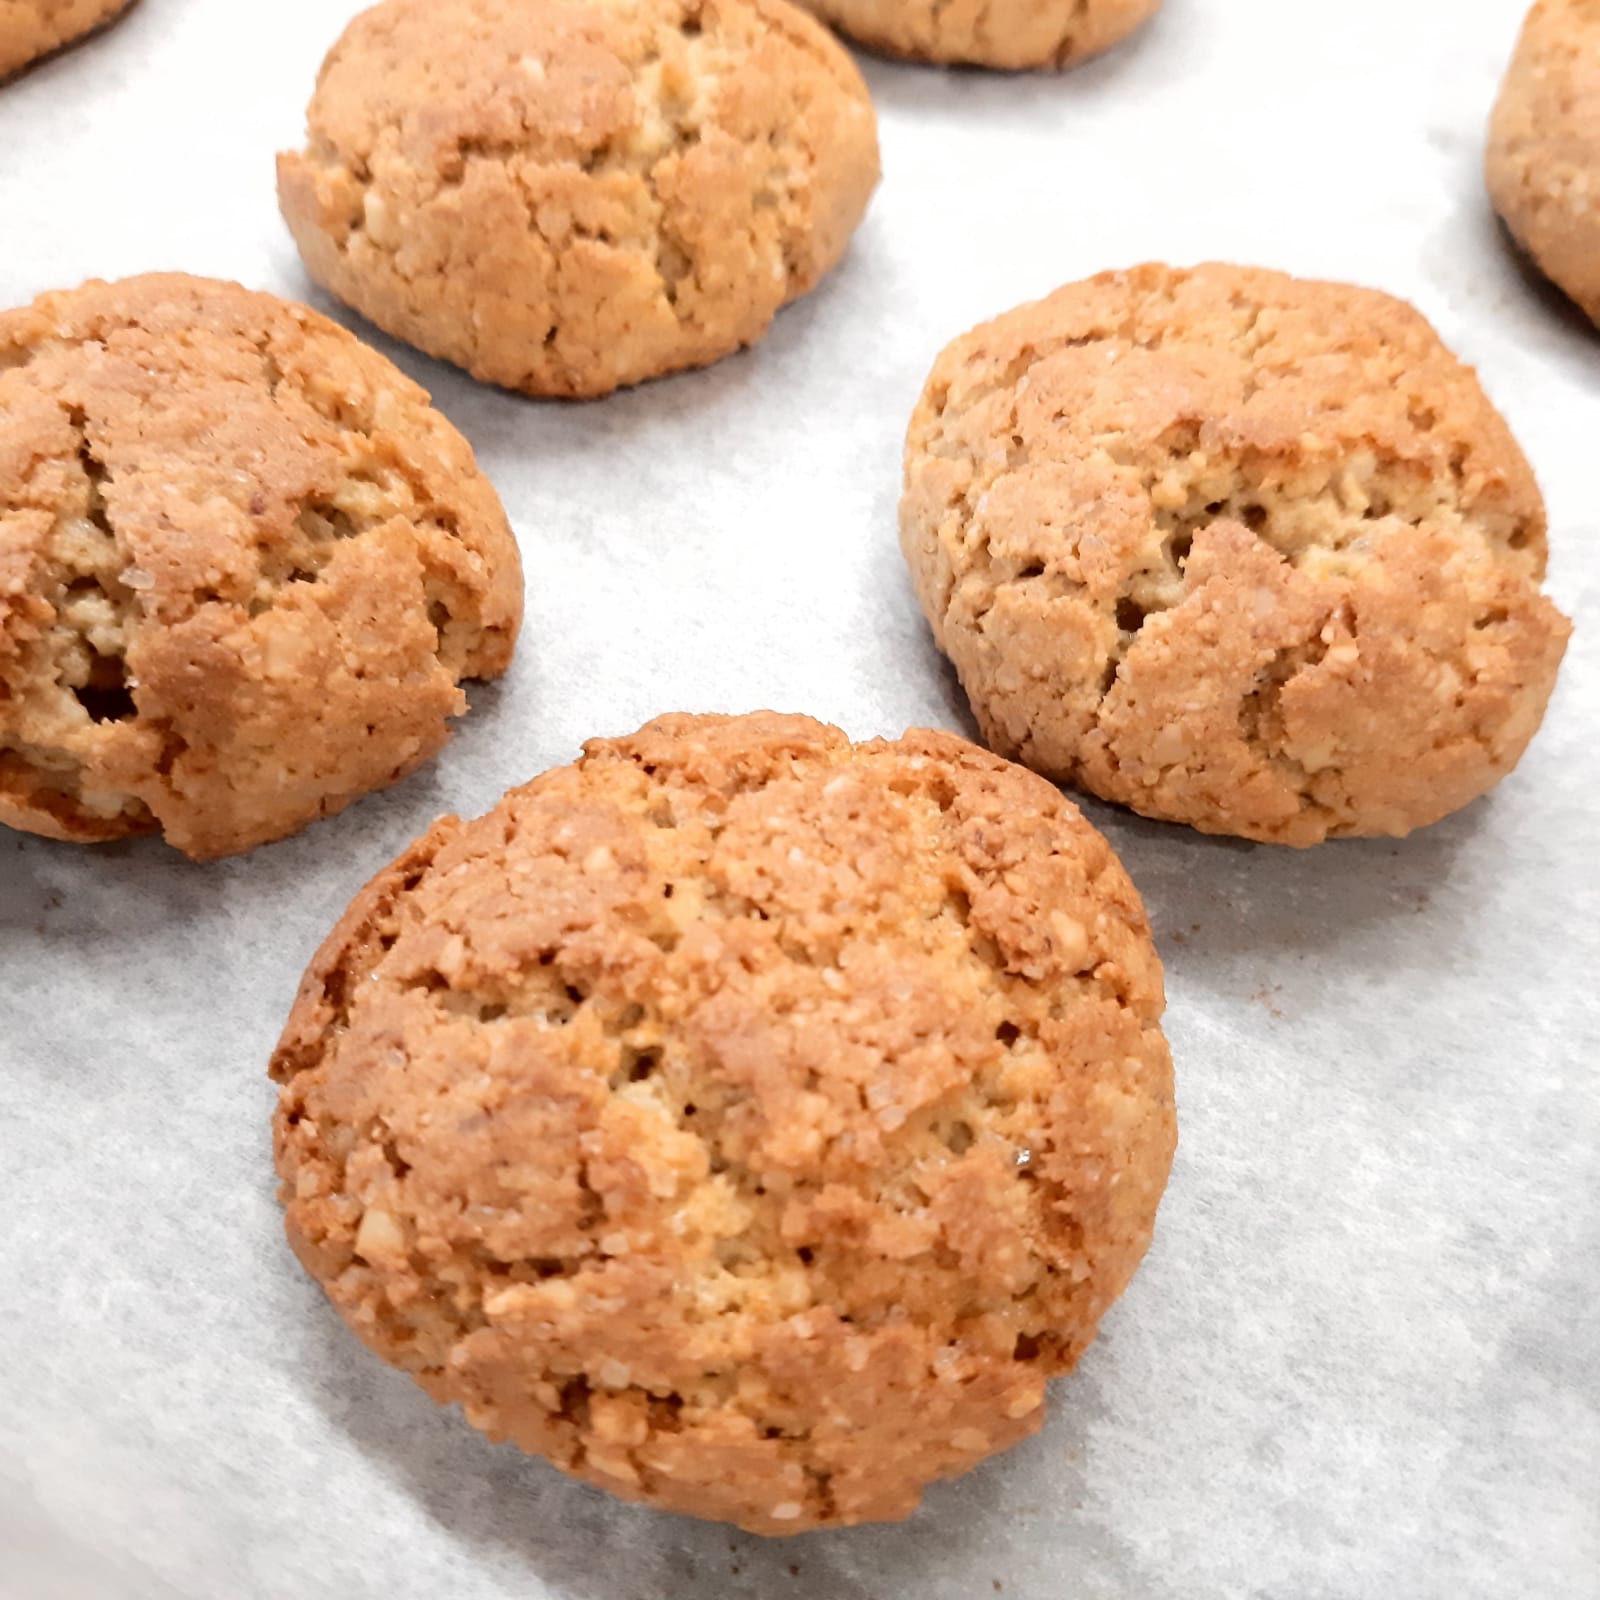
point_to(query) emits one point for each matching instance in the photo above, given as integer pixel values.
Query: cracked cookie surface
(1233, 549)
(745, 1120)
(566, 196)
(32, 29)
(244, 566)
(1014, 34)
(1543, 160)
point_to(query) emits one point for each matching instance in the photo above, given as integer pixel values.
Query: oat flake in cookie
(987, 33)
(745, 1120)
(1233, 549)
(564, 196)
(33, 29)
(244, 567)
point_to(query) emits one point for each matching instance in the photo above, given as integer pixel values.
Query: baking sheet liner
(1362, 1357)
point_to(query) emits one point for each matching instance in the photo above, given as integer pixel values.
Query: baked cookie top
(1234, 549)
(988, 33)
(243, 566)
(30, 29)
(1543, 158)
(745, 1120)
(564, 196)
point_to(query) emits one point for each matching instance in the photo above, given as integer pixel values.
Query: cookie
(565, 196)
(1233, 549)
(32, 29)
(987, 33)
(1543, 159)
(747, 1121)
(243, 567)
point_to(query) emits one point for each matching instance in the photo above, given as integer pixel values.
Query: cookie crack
(1067, 49)
(93, 605)
(1260, 714)
(362, 947)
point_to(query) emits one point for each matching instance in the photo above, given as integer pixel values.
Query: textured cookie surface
(30, 29)
(563, 196)
(1235, 550)
(746, 1121)
(243, 566)
(1543, 160)
(987, 33)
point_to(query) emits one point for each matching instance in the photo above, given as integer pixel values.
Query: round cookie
(745, 1120)
(1012, 34)
(32, 29)
(1233, 549)
(565, 196)
(243, 567)
(1543, 159)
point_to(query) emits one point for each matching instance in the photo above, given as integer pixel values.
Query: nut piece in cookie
(244, 567)
(565, 196)
(747, 1121)
(1012, 34)
(1543, 160)
(30, 30)
(1235, 550)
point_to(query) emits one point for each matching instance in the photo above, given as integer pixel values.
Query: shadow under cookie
(1551, 297)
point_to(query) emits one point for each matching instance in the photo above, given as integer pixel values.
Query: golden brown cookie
(563, 196)
(745, 1120)
(32, 29)
(1543, 161)
(243, 567)
(1233, 549)
(987, 33)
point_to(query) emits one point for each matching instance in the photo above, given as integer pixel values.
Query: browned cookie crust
(1543, 161)
(31, 29)
(1233, 549)
(987, 33)
(564, 197)
(243, 566)
(747, 1121)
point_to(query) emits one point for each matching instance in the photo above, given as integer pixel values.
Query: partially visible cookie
(1543, 159)
(244, 566)
(565, 196)
(748, 1121)
(1233, 549)
(987, 33)
(30, 29)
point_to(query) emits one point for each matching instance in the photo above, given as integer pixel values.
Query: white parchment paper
(1362, 1358)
